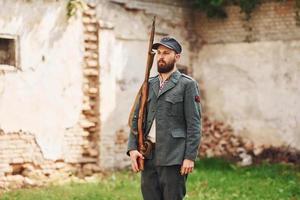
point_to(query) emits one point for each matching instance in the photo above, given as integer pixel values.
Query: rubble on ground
(219, 140)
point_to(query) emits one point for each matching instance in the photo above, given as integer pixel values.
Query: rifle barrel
(144, 96)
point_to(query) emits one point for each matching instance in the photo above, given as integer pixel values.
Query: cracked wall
(247, 70)
(49, 108)
(50, 75)
(250, 72)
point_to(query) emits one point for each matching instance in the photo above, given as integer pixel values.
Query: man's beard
(166, 67)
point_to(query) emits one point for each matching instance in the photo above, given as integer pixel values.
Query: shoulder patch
(197, 98)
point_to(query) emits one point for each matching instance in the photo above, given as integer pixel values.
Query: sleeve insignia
(197, 99)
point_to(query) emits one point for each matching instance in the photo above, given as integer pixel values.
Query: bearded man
(172, 127)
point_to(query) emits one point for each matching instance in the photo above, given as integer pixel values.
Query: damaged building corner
(22, 162)
(91, 84)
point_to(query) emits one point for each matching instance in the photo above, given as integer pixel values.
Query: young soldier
(172, 126)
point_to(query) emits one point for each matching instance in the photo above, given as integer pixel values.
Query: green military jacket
(177, 111)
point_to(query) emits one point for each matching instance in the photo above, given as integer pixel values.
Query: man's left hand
(187, 167)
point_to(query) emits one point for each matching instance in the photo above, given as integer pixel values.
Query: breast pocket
(176, 108)
(178, 133)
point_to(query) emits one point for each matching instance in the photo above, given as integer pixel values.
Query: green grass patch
(217, 179)
(213, 179)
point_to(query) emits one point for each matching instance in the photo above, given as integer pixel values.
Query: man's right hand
(134, 155)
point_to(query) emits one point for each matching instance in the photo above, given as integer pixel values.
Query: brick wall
(270, 21)
(22, 162)
(243, 65)
(21, 158)
(90, 113)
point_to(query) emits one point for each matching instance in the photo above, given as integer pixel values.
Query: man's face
(166, 59)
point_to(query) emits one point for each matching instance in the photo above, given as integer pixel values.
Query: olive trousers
(162, 182)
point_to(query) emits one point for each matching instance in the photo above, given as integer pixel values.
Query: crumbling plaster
(45, 96)
(255, 88)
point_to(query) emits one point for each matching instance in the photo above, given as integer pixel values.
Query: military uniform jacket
(177, 111)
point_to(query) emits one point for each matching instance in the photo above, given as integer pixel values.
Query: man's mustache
(162, 61)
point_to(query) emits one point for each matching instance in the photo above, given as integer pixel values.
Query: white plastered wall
(45, 96)
(254, 87)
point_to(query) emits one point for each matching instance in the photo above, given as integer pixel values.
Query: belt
(153, 146)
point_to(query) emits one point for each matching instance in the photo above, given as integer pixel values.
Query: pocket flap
(174, 99)
(178, 133)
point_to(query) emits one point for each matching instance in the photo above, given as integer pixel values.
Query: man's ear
(177, 57)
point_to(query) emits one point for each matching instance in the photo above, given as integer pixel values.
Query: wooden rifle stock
(144, 97)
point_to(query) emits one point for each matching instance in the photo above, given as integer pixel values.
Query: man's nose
(160, 57)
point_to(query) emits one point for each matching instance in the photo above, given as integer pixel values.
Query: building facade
(67, 83)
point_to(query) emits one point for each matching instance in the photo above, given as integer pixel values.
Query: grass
(217, 179)
(213, 179)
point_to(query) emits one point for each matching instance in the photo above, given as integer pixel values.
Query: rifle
(144, 96)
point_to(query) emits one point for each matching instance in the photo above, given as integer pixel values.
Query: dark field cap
(170, 43)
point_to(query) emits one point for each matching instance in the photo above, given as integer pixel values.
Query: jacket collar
(172, 81)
